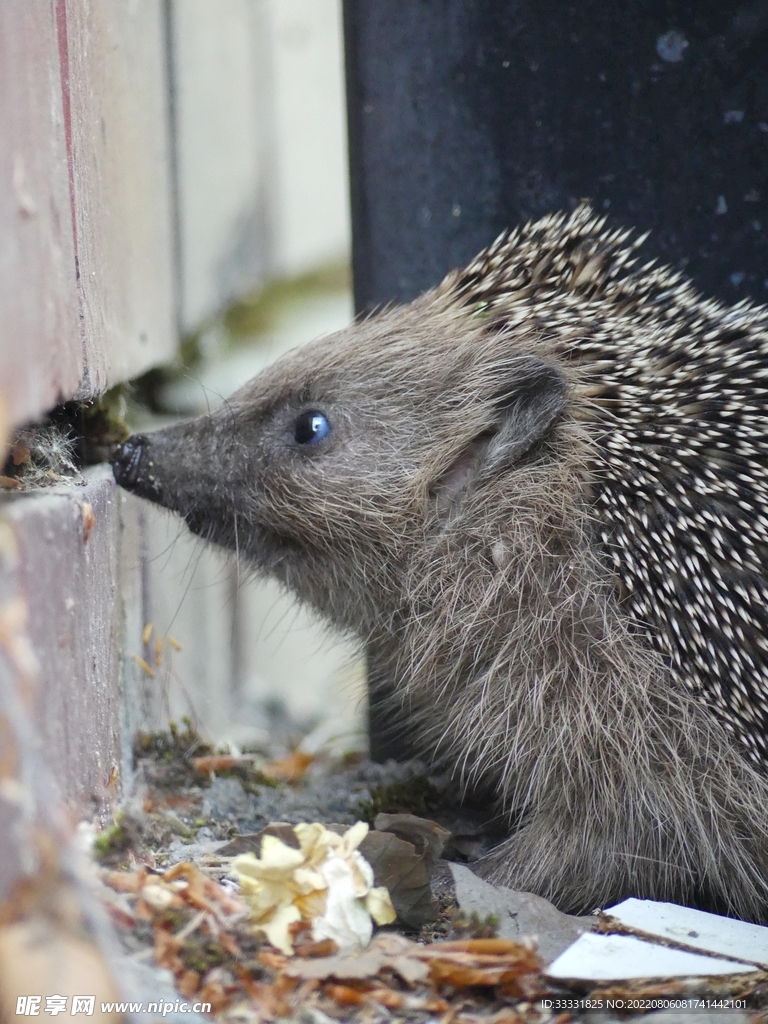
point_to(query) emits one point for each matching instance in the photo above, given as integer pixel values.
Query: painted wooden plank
(261, 133)
(86, 255)
(62, 560)
(221, 89)
(40, 349)
(114, 70)
(311, 219)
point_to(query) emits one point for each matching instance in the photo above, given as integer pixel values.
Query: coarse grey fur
(460, 519)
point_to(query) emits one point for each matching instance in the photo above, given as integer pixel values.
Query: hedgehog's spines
(675, 388)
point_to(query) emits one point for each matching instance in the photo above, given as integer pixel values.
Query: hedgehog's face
(328, 468)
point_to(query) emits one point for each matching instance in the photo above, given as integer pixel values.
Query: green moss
(201, 953)
(472, 926)
(254, 314)
(171, 743)
(112, 844)
(96, 425)
(71, 436)
(258, 312)
(416, 795)
(173, 751)
(250, 778)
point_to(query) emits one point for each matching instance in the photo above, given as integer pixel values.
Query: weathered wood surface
(61, 558)
(40, 349)
(87, 299)
(120, 156)
(86, 271)
(261, 134)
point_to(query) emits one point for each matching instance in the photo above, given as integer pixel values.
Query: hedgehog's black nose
(126, 462)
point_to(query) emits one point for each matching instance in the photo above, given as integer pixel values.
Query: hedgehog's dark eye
(310, 427)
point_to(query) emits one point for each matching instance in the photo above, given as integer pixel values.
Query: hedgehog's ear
(525, 408)
(530, 402)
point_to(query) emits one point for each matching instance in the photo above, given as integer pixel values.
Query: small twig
(192, 925)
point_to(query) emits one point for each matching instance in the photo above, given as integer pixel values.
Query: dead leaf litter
(259, 885)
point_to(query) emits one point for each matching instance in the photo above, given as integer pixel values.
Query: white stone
(710, 932)
(622, 957)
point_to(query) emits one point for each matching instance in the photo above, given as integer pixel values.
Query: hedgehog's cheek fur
(523, 415)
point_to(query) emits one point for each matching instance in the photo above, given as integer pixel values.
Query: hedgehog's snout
(132, 465)
(126, 462)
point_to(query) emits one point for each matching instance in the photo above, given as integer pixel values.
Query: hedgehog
(537, 493)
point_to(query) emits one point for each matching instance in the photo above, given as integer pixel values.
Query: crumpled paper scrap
(326, 881)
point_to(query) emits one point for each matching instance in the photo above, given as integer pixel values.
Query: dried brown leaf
(219, 762)
(20, 453)
(344, 995)
(405, 873)
(275, 961)
(427, 837)
(479, 947)
(188, 983)
(388, 997)
(251, 842)
(213, 992)
(201, 891)
(290, 768)
(125, 881)
(466, 976)
(325, 948)
(386, 951)
(355, 966)
(167, 948)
